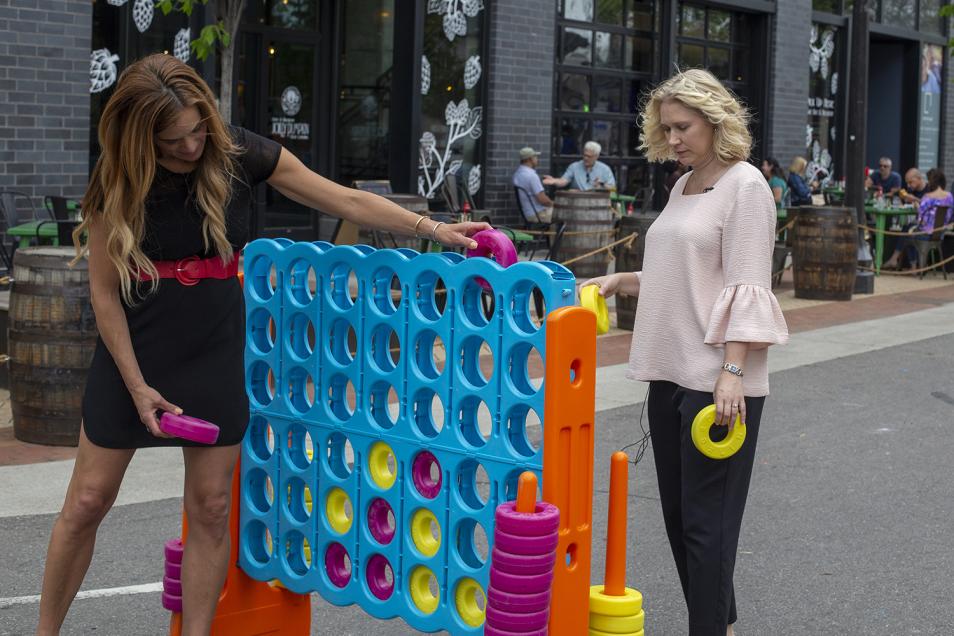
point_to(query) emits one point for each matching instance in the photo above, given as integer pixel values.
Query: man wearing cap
(534, 202)
(587, 174)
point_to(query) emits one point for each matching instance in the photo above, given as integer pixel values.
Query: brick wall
(947, 122)
(520, 94)
(44, 96)
(788, 97)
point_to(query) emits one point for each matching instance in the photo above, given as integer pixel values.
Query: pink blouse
(706, 280)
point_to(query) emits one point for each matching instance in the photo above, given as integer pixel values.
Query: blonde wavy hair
(701, 91)
(149, 97)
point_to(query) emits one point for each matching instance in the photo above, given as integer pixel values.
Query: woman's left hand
(729, 400)
(458, 234)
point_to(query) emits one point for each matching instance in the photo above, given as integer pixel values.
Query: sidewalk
(894, 295)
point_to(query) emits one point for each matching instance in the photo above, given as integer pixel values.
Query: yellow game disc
(630, 604)
(617, 624)
(336, 510)
(421, 532)
(590, 299)
(466, 600)
(721, 449)
(378, 465)
(597, 632)
(419, 586)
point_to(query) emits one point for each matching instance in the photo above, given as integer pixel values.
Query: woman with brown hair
(166, 215)
(705, 320)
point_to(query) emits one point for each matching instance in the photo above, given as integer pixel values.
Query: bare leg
(729, 631)
(97, 475)
(208, 488)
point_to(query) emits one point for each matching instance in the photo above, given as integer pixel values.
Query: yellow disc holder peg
(716, 450)
(590, 299)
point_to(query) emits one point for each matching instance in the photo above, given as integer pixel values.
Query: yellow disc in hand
(723, 448)
(590, 299)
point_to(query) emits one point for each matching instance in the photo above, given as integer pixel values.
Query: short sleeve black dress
(189, 340)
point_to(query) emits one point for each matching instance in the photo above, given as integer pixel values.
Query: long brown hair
(149, 97)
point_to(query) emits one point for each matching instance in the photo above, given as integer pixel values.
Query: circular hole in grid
(430, 295)
(475, 421)
(342, 286)
(261, 331)
(386, 291)
(427, 474)
(339, 455)
(425, 589)
(473, 484)
(426, 532)
(301, 282)
(262, 383)
(338, 565)
(301, 390)
(384, 405)
(260, 439)
(526, 369)
(429, 354)
(297, 553)
(301, 335)
(299, 447)
(381, 522)
(385, 348)
(338, 510)
(476, 361)
(295, 504)
(262, 277)
(258, 542)
(428, 414)
(525, 302)
(342, 342)
(470, 601)
(471, 543)
(382, 465)
(524, 431)
(260, 493)
(341, 397)
(380, 577)
(472, 301)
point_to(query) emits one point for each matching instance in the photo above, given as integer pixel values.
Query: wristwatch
(731, 368)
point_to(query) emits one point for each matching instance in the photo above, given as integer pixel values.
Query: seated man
(885, 178)
(917, 186)
(530, 191)
(587, 174)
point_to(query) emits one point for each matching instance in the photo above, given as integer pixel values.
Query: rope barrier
(573, 233)
(909, 272)
(875, 230)
(628, 240)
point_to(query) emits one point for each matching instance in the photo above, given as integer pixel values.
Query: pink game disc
(190, 428)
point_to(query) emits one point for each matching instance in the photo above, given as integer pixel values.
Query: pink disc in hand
(190, 428)
(494, 243)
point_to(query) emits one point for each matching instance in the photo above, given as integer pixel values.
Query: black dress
(189, 341)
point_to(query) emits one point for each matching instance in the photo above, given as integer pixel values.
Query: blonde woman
(706, 316)
(166, 214)
(801, 191)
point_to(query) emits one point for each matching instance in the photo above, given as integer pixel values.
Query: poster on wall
(821, 133)
(288, 127)
(929, 114)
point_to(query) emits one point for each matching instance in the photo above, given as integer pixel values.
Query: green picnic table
(45, 230)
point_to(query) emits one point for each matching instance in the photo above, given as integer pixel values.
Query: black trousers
(702, 501)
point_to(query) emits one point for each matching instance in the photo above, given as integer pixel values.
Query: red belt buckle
(180, 272)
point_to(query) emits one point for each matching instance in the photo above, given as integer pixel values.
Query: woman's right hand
(148, 402)
(612, 284)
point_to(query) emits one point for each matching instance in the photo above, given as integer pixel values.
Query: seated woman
(936, 197)
(776, 179)
(801, 191)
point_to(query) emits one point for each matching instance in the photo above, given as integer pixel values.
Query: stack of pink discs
(172, 581)
(190, 428)
(521, 570)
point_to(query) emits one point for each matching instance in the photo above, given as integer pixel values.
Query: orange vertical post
(569, 412)
(527, 493)
(614, 581)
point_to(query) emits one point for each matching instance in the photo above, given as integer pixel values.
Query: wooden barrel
(589, 225)
(51, 341)
(630, 259)
(411, 202)
(824, 253)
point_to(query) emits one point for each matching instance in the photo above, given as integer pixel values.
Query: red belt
(192, 269)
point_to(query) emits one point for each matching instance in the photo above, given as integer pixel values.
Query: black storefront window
(902, 13)
(606, 60)
(825, 97)
(286, 14)
(930, 21)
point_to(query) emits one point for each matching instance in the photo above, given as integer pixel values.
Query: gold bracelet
(434, 231)
(418, 224)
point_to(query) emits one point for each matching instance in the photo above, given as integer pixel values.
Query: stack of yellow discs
(616, 615)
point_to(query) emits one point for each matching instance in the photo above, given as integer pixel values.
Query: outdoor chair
(934, 243)
(16, 208)
(549, 242)
(59, 208)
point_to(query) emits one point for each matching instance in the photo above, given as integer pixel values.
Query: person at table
(776, 179)
(801, 191)
(885, 178)
(917, 186)
(534, 202)
(936, 197)
(587, 174)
